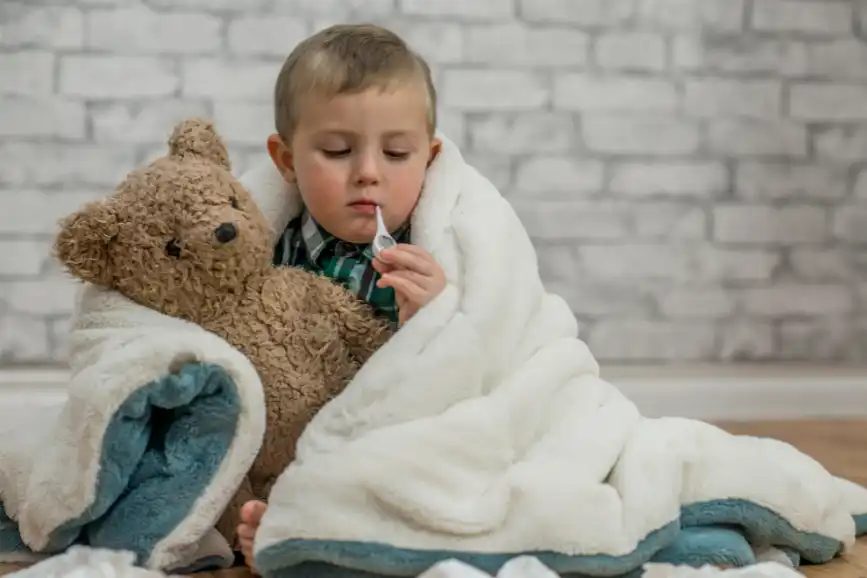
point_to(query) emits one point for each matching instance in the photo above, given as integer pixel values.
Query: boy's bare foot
(251, 517)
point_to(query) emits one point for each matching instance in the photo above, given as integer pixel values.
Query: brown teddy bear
(182, 236)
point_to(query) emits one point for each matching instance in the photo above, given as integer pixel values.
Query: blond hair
(345, 59)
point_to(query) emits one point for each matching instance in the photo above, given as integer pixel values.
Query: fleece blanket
(482, 432)
(160, 423)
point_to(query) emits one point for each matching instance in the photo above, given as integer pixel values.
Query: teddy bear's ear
(198, 137)
(81, 246)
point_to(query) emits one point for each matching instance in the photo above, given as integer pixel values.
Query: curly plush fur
(182, 236)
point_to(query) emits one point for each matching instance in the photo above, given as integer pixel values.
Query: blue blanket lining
(160, 451)
(716, 532)
(166, 442)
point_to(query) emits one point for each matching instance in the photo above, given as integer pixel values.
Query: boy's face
(354, 151)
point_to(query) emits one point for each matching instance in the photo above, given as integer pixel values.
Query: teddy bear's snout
(226, 232)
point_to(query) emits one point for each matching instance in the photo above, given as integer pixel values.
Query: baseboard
(731, 392)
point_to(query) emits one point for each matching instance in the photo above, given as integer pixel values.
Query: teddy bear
(182, 236)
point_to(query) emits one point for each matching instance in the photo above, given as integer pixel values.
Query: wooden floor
(841, 446)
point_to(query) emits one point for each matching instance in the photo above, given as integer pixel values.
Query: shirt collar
(317, 239)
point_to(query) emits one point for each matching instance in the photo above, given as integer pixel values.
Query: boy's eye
(234, 202)
(396, 155)
(336, 153)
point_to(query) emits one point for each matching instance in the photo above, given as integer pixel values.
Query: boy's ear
(281, 156)
(436, 146)
(82, 244)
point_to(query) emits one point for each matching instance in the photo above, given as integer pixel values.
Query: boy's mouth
(363, 206)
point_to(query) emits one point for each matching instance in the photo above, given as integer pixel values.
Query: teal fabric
(717, 532)
(160, 451)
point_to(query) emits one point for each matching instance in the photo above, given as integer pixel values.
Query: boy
(355, 116)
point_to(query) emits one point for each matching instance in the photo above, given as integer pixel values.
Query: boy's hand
(413, 274)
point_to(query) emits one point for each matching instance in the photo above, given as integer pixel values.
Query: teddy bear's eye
(234, 202)
(173, 249)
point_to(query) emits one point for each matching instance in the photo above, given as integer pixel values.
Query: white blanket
(114, 464)
(483, 429)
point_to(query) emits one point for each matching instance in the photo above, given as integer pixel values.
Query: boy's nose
(225, 232)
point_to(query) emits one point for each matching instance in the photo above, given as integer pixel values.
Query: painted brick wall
(689, 169)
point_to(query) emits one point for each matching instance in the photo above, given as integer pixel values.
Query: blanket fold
(482, 431)
(160, 424)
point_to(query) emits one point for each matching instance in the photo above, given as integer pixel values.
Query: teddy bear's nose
(226, 232)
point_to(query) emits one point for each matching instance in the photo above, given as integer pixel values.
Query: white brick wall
(694, 172)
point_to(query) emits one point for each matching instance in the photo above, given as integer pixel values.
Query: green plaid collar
(306, 244)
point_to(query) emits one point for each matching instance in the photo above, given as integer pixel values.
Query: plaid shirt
(306, 245)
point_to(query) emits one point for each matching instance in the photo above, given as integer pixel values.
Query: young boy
(355, 116)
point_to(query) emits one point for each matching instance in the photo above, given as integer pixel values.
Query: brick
(807, 16)
(839, 59)
(109, 76)
(478, 9)
(819, 264)
(822, 340)
(557, 265)
(244, 123)
(49, 296)
(596, 92)
(739, 53)
(42, 117)
(31, 211)
(23, 338)
(586, 220)
(782, 300)
(841, 144)
(779, 181)
(687, 178)
(850, 223)
(149, 122)
(582, 12)
(592, 299)
(559, 177)
(631, 51)
(58, 337)
(690, 15)
(336, 10)
(27, 73)
(770, 225)
(640, 134)
(746, 340)
(644, 340)
(27, 26)
(247, 6)
(495, 168)
(37, 164)
(229, 79)
(266, 35)
(702, 303)
(828, 102)
(668, 221)
(629, 261)
(739, 265)
(538, 46)
(139, 29)
(861, 185)
(747, 138)
(22, 257)
(718, 97)
(437, 42)
(494, 90)
(522, 133)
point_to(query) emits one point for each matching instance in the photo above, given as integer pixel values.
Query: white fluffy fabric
(51, 478)
(484, 426)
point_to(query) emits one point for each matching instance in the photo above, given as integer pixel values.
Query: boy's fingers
(400, 257)
(404, 283)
